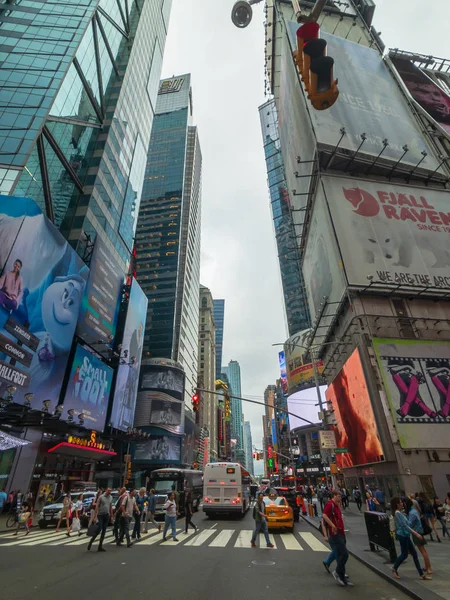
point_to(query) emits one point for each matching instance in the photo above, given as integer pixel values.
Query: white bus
(226, 489)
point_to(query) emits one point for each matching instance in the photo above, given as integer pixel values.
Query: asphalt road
(215, 564)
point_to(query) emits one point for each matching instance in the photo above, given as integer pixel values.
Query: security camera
(241, 14)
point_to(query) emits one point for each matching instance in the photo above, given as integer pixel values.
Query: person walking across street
(332, 516)
(260, 522)
(189, 510)
(22, 518)
(129, 508)
(170, 519)
(118, 513)
(65, 513)
(151, 509)
(3, 499)
(141, 499)
(103, 513)
(77, 510)
(403, 532)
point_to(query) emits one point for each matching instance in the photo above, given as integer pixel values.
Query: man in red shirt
(332, 516)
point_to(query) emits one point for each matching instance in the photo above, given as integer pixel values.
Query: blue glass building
(219, 320)
(295, 302)
(78, 85)
(233, 372)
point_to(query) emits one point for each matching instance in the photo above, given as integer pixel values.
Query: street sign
(340, 450)
(327, 439)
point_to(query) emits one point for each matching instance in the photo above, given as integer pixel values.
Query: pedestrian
(344, 498)
(65, 513)
(332, 516)
(332, 556)
(141, 499)
(151, 509)
(370, 502)
(403, 532)
(189, 510)
(103, 514)
(260, 522)
(3, 499)
(321, 498)
(447, 508)
(129, 508)
(439, 512)
(415, 523)
(93, 507)
(381, 499)
(117, 513)
(22, 518)
(77, 509)
(176, 497)
(368, 490)
(357, 497)
(428, 513)
(170, 519)
(42, 499)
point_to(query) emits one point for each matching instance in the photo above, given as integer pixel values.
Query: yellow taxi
(278, 512)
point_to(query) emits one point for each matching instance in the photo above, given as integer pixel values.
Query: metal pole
(318, 7)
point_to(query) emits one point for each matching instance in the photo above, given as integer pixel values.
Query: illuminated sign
(168, 86)
(90, 443)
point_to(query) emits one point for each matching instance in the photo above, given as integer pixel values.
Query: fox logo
(364, 203)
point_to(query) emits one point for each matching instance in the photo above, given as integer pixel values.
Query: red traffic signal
(195, 402)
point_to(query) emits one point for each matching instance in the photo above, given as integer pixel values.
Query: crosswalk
(213, 538)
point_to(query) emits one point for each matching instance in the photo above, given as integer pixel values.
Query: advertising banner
(416, 376)
(424, 91)
(101, 301)
(124, 404)
(322, 268)
(356, 430)
(88, 390)
(392, 234)
(42, 281)
(369, 102)
(160, 449)
(299, 369)
(284, 381)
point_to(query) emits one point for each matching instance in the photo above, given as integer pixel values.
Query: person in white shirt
(170, 519)
(128, 509)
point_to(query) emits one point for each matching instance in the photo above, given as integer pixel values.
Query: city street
(215, 564)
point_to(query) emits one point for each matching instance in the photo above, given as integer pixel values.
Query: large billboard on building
(88, 390)
(101, 301)
(42, 281)
(160, 399)
(369, 103)
(416, 376)
(283, 373)
(424, 91)
(298, 365)
(122, 414)
(391, 234)
(305, 405)
(159, 449)
(322, 267)
(356, 429)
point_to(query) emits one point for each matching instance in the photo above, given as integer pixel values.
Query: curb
(424, 595)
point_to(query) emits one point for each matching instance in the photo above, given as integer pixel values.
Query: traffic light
(316, 68)
(195, 402)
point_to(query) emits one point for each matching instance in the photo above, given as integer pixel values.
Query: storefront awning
(69, 449)
(8, 441)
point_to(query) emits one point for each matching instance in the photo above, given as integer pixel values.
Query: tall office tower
(234, 377)
(269, 401)
(367, 173)
(248, 447)
(168, 231)
(219, 318)
(79, 83)
(295, 301)
(207, 368)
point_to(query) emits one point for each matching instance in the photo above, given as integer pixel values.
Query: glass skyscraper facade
(233, 371)
(219, 320)
(248, 447)
(78, 85)
(295, 302)
(168, 231)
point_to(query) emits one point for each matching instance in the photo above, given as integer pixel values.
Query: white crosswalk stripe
(212, 538)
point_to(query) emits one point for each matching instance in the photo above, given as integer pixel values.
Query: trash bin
(379, 533)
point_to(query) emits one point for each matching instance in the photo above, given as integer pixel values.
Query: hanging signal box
(316, 68)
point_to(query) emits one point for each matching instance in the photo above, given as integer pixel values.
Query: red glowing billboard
(356, 429)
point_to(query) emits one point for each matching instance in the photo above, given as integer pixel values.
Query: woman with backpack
(428, 514)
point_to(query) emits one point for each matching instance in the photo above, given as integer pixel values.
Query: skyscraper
(207, 368)
(295, 301)
(234, 377)
(79, 83)
(248, 447)
(219, 318)
(168, 231)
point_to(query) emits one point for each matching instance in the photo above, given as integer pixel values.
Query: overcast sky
(239, 258)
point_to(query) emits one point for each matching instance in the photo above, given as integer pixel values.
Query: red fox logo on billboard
(399, 206)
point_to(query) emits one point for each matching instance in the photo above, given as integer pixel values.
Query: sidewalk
(358, 546)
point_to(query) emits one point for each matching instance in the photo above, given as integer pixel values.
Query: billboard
(160, 397)
(393, 234)
(282, 362)
(124, 403)
(88, 390)
(305, 403)
(299, 369)
(159, 449)
(322, 267)
(424, 91)
(369, 102)
(356, 429)
(42, 281)
(416, 376)
(101, 301)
